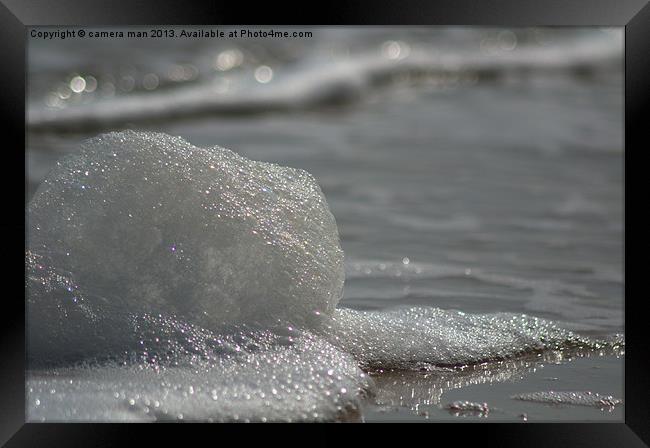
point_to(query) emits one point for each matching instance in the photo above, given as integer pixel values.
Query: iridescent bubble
(91, 84)
(228, 59)
(395, 50)
(263, 74)
(77, 84)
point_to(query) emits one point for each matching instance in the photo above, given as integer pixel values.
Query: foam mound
(156, 224)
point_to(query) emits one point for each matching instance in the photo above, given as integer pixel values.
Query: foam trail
(418, 338)
(572, 398)
(159, 272)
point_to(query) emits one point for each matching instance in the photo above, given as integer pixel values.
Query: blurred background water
(478, 169)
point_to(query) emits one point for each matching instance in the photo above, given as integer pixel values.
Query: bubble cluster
(461, 406)
(418, 338)
(256, 378)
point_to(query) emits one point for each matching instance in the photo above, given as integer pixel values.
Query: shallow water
(484, 194)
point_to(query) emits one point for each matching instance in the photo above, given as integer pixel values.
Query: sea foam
(155, 224)
(573, 398)
(160, 272)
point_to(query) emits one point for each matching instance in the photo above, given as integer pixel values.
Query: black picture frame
(17, 15)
